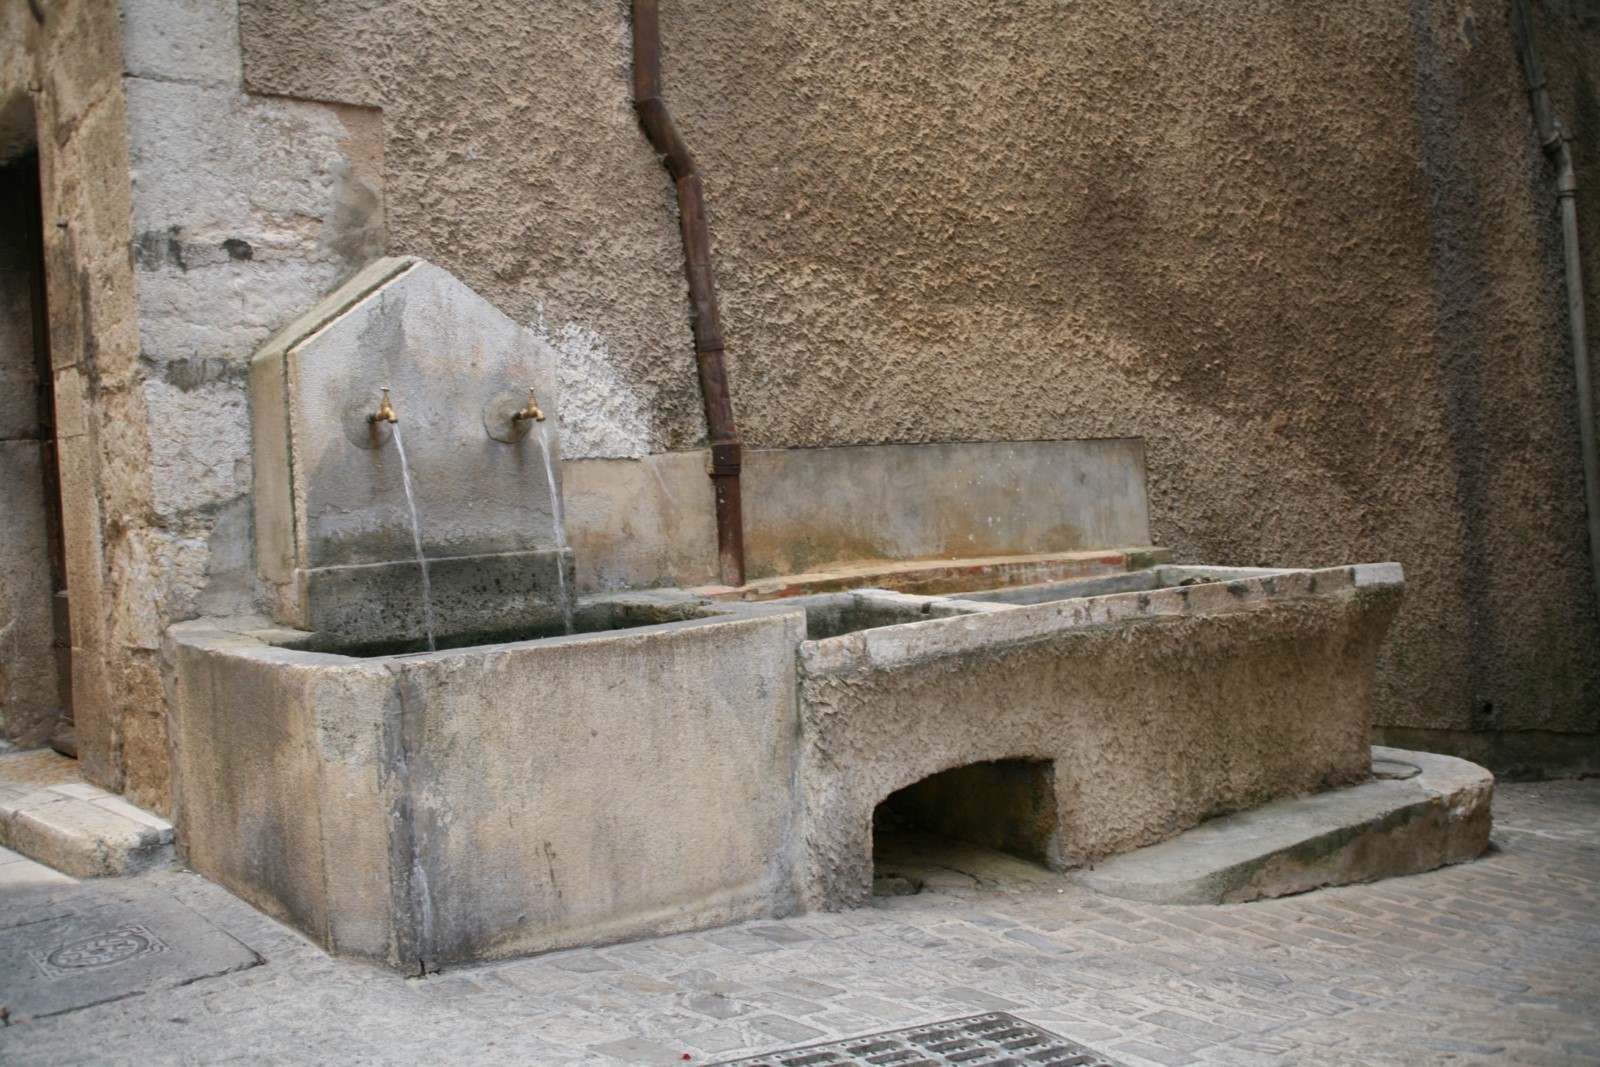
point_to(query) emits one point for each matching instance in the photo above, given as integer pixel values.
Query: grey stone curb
(1378, 829)
(83, 831)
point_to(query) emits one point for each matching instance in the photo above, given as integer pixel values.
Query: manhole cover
(97, 950)
(992, 1040)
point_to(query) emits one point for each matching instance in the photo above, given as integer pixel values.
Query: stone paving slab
(20, 874)
(33, 768)
(1496, 961)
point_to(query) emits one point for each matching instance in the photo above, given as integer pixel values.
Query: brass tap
(530, 412)
(385, 412)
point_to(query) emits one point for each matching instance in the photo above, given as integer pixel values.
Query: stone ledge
(83, 831)
(943, 577)
(1382, 828)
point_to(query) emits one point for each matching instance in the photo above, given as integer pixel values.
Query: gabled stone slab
(332, 511)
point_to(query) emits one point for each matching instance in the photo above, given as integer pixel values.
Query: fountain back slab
(334, 537)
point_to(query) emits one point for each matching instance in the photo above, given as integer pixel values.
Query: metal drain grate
(992, 1040)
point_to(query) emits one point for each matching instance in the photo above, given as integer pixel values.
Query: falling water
(560, 525)
(416, 539)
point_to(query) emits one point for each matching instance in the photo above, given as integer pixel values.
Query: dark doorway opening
(969, 825)
(22, 260)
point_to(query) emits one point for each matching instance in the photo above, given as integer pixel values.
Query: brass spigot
(530, 412)
(385, 412)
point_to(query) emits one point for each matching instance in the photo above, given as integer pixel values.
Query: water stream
(416, 539)
(560, 524)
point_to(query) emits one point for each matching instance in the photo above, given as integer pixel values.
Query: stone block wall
(247, 211)
(69, 68)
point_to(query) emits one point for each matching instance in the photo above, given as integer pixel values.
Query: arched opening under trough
(972, 826)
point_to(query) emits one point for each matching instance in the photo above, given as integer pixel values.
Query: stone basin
(688, 763)
(491, 801)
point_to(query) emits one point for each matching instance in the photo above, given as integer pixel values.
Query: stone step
(50, 815)
(1419, 812)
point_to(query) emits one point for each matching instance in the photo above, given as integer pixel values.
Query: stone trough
(497, 800)
(713, 761)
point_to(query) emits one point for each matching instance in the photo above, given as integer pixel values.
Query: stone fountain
(681, 759)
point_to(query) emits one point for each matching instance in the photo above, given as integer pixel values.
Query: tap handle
(530, 412)
(385, 412)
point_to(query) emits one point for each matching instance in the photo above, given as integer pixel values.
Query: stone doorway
(980, 824)
(35, 635)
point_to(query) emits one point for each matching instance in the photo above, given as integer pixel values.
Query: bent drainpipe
(1554, 140)
(665, 139)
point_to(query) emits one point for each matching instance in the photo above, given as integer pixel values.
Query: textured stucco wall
(1306, 252)
(521, 169)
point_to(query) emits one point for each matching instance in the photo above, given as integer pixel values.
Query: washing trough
(678, 763)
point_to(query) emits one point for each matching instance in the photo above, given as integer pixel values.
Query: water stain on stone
(154, 249)
(191, 373)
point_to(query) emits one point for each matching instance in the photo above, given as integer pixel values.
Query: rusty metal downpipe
(1555, 141)
(726, 454)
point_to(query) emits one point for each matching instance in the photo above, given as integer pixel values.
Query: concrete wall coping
(358, 287)
(910, 642)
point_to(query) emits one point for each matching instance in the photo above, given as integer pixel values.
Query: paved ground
(1497, 962)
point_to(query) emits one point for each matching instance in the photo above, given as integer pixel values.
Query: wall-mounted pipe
(1553, 139)
(724, 435)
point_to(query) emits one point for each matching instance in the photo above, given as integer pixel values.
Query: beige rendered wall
(1305, 251)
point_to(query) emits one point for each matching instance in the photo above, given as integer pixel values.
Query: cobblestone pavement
(1496, 961)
